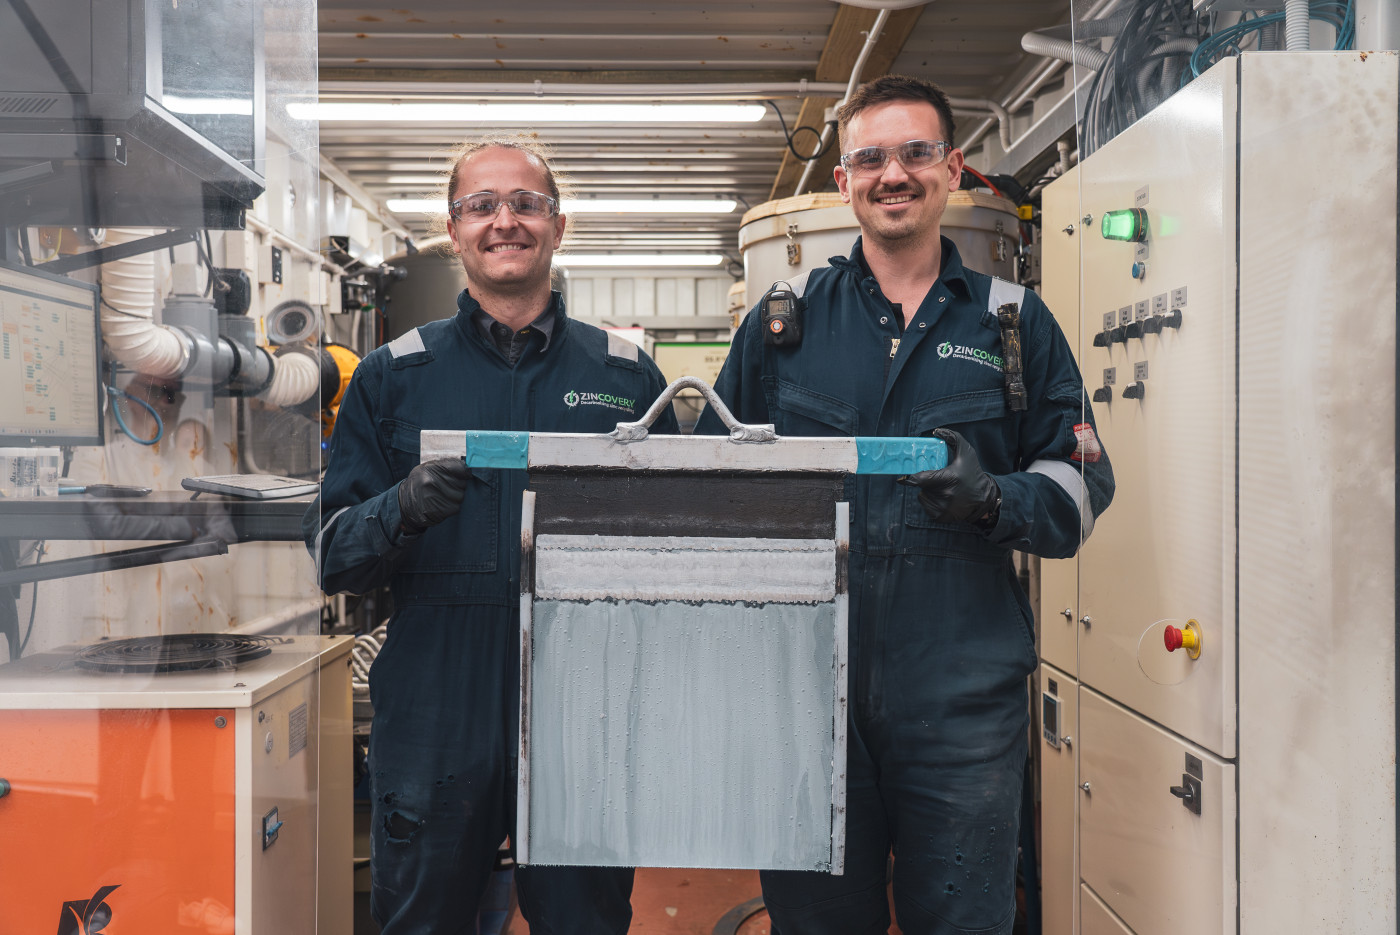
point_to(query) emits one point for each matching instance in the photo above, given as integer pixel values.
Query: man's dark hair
(888, 88)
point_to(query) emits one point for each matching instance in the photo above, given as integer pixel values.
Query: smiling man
(901, 339)
(446, 539)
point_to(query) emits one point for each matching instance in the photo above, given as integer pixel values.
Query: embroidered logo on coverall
(574, 398)
(974, 354)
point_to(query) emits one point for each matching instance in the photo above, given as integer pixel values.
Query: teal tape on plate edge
(900, 455)
(498, 450)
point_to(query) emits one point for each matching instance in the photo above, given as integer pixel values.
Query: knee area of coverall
(808, 903)
(960, 879)
(575, 900)
(431, 851)
(956, 853)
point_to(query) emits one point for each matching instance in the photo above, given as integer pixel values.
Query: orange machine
(177, 802)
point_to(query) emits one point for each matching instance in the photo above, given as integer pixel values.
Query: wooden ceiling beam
(838, 58)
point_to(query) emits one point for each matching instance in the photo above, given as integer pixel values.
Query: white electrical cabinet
(1242, 362)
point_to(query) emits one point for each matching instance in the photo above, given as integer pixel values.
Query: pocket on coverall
(467, 544)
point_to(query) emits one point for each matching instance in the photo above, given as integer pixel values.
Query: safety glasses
(913, 155)
(483, 206)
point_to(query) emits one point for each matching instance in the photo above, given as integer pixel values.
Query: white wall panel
(1317, 497)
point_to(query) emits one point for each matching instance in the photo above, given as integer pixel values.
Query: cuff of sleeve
(1007, 525)
(386, 523)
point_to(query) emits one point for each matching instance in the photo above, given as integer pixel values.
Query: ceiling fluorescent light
(590, 206)
(648, 206)
(638, 259)
(527, 112)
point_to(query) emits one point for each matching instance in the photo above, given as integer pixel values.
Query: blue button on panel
(498, 450)
(900, 455)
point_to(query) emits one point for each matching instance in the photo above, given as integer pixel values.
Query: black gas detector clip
(780, 313)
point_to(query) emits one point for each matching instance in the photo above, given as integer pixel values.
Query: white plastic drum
(784, 238)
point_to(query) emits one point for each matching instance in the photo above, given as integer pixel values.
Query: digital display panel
(50, 379)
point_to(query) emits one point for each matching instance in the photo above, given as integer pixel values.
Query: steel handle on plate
(738, 431)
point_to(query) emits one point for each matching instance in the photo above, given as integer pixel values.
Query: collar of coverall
(952, 274)
(544, 323)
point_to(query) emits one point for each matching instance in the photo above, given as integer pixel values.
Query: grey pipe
(1028, 86)
(1088, 28)
(1269, 37)
(1168, 70)
(1297, 26)
(983, 105)
(870, 39)
(1085, 56)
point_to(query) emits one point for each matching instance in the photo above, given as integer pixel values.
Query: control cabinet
(1228, 641)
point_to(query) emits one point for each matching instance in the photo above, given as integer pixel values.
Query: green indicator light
(1130, 225)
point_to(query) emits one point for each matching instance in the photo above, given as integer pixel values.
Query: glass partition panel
(163, 710)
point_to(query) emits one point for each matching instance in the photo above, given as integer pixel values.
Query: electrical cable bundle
(1142, 69)
(1341, 14)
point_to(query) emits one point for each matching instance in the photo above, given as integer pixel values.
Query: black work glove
(961, 492)
(431, 493)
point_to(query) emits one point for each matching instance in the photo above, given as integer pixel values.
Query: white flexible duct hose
(1297, 26)
(295, 379)
(128, 326)
(1084, 56)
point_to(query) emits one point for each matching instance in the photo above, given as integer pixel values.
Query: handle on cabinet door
(1189, 792)
(1085, 786)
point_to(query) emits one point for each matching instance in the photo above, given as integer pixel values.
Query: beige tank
(784, 238)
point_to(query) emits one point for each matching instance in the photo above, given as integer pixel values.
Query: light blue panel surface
(498, 449)
(900, 455)
(675, 734)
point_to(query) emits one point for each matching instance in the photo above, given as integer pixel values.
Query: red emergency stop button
(1188, 637)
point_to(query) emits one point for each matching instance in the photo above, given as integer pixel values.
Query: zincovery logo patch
(974, 354)
(574, 398)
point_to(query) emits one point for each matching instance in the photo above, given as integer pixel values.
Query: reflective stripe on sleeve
(1069, 478)
(320, 535)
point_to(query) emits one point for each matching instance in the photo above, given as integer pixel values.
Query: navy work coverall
(941, 633)
(445, 685)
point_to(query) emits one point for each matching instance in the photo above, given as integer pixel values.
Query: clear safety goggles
(913, 155)
(483, 206)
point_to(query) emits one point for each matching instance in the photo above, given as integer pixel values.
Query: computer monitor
(50, 360)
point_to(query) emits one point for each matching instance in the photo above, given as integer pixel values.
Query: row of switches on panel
(1136, 329)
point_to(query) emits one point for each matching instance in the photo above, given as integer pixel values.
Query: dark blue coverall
(941, 633)
(445, 685)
